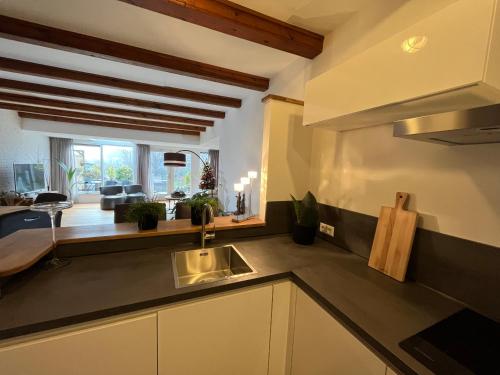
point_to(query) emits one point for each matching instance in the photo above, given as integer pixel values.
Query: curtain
(213, 160)
(143, 153)
(61, 150)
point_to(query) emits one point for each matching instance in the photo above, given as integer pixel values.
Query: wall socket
(329, 230)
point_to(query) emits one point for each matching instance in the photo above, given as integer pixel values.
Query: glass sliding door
(182, 177)
(118, 165)
(103, 165)
(88, 165)
(169, 179)
(159, 174)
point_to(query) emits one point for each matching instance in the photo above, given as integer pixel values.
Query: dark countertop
(380, 311)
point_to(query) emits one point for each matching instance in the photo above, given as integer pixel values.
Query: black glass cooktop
(462, 344)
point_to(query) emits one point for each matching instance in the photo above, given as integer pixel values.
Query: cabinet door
(223, 335)
(123, 348)
(390, 371)
(322, 346)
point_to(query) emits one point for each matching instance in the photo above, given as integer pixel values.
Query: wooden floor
(86, 214)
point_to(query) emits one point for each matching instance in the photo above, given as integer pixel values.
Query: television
(29, 178)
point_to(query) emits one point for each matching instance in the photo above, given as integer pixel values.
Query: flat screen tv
(29, 177)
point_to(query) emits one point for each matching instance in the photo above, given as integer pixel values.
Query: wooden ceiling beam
(95, 117)
(47, 71)
(47, 36)
(39, 101)
(236, 20)
(72, 93)
(68, 121)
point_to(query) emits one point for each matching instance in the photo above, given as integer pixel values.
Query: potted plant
(306, 219)
(70, 173)
(196, 202)
(146, 214)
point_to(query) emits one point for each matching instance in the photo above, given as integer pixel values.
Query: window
(103, 165)
(169, 179)
(88, 166)
(182, 176)
(118, 165)
(159, 173)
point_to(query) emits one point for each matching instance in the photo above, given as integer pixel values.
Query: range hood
(467, 127)
(448, 61)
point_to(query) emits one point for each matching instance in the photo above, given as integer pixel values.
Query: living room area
(101, 177)
(106, 132)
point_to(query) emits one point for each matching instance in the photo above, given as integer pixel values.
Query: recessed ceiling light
(414, 44)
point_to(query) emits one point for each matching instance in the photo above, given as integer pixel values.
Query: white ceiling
(321, 16)
(121, 22)
(117, 21)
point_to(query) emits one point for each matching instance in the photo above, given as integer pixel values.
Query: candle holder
(240, 204)
(252, 175)
(52, 208)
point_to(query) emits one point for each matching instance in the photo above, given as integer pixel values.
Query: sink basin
(208, 265)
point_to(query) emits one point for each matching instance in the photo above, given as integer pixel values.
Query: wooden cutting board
(393, 239)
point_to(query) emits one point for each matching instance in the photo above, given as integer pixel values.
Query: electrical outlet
(329, 230)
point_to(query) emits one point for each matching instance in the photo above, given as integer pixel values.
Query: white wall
(240, 134)
(19, 146)
(240, 145)
(455, 189)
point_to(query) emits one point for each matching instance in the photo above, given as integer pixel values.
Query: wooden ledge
(282, 99)
(21, 249)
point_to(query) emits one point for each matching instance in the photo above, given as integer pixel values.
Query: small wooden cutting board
(393, 239)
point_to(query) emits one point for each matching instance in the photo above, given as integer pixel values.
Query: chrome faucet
(204, 235)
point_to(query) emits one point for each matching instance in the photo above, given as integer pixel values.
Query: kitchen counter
(21, 249)
(379, 311)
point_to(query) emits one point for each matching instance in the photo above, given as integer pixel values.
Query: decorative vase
(196, 216)
(303, 235)
(148, 222)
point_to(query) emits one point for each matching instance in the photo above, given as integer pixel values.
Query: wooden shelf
(22, 249)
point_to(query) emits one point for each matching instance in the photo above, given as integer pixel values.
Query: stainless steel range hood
(472, 126)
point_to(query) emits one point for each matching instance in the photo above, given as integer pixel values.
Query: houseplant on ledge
(146, 214)
(306, 219)
(196, 202)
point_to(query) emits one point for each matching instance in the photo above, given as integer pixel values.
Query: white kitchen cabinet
(126, 347)
(223, 335)
(322, 346)
(447, 61)
(280, 345)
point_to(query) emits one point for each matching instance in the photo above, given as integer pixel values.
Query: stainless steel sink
(208, 265)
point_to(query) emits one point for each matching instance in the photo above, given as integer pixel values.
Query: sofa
(111, 196)
(134, 193)
(117, 194)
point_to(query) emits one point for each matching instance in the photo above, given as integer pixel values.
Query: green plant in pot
(306, 219)
(196, 202)
(146, 214)
(70, 173)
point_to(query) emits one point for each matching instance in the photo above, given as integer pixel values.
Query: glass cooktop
(462, 344)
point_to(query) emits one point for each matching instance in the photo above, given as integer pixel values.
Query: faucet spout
(204, 235)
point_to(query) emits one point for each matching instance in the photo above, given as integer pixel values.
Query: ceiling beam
(100, 118)
(236, 20)
(39, 101)
(47, 36)
(68, 121)
(47, 71)
(72, 93)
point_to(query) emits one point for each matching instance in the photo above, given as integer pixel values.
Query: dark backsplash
(465, 270)
(462, 269)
